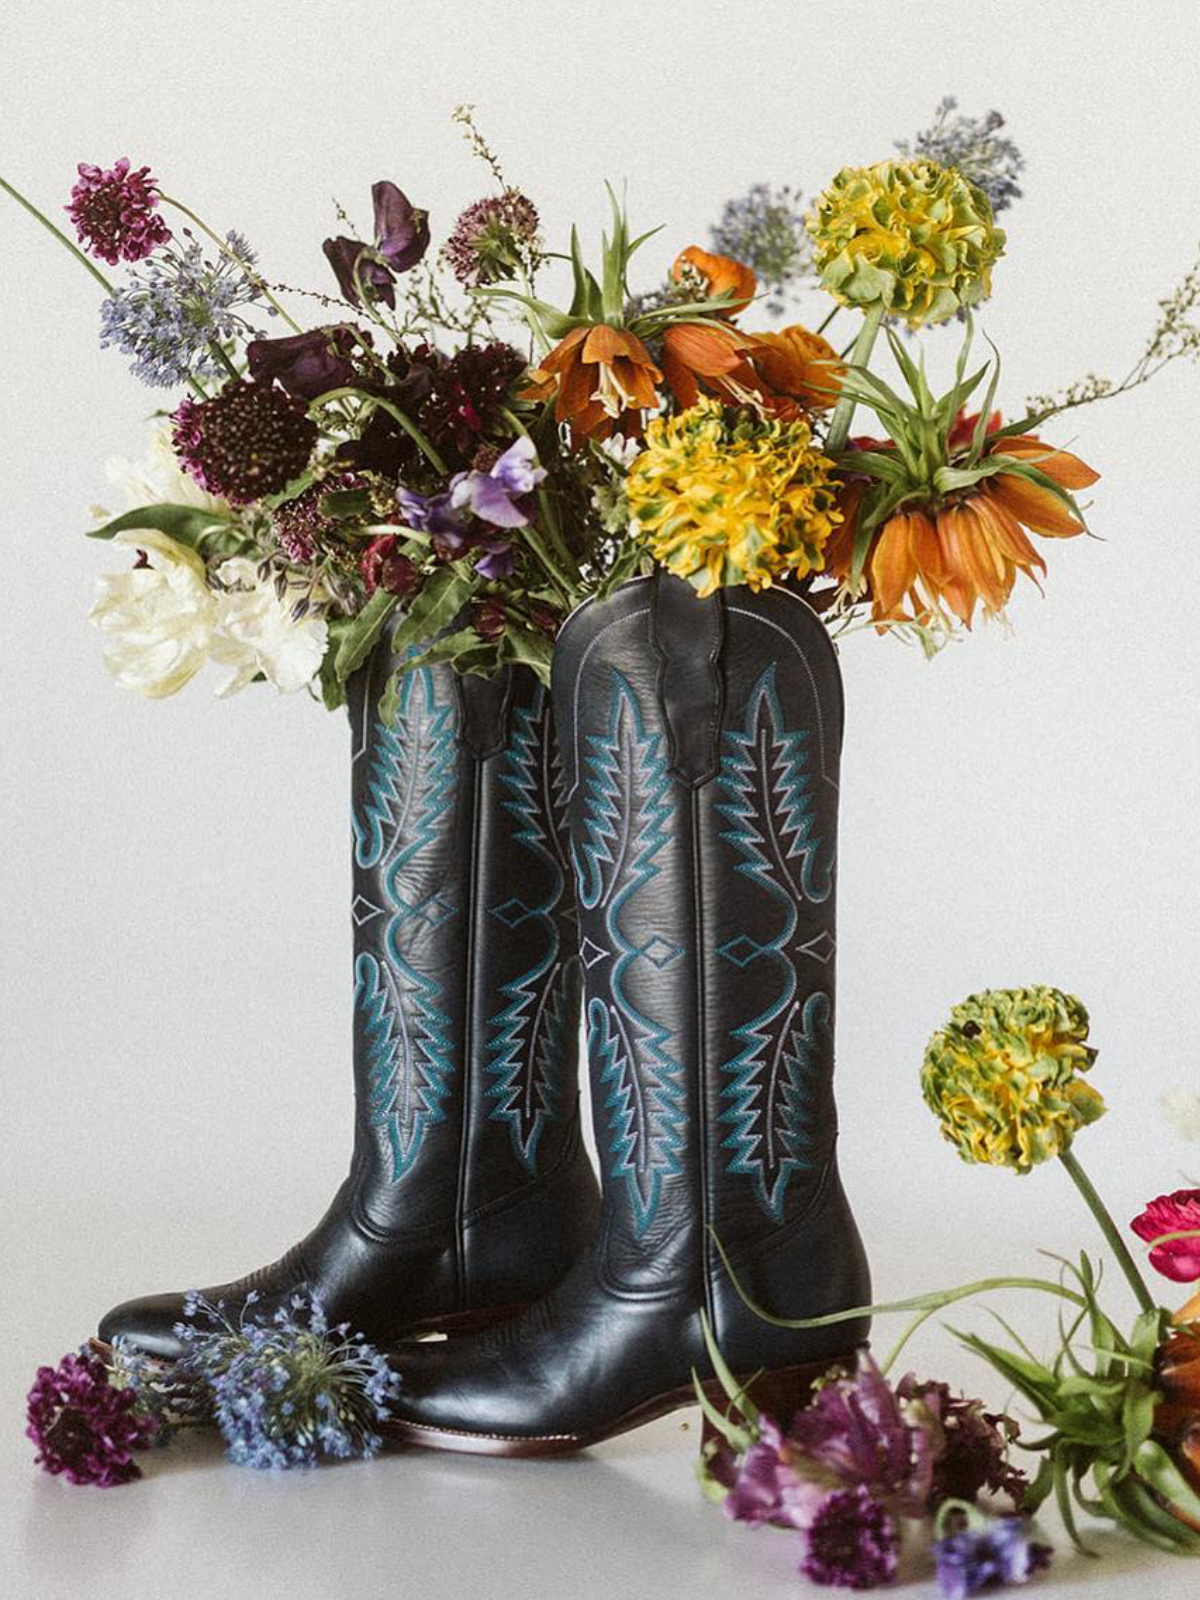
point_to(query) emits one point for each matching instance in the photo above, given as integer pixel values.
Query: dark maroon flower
(545, 618)
(466, 396)
(305, 364)
(299, 524)
(1177, 1259)
(973, 1454)
(85, 1427)
(489, 618)
(493, 238)
(249, 440)
(401, 239)
(384, 567)
(115, 212)
(852, 1542)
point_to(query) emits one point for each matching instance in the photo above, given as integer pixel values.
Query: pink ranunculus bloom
(1177, 1259)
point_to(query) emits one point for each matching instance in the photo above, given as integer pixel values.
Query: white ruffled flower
(1181, 1107)
(159, 617)
(256, 633)
(158, 478)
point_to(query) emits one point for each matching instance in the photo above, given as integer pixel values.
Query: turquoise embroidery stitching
(627, 818)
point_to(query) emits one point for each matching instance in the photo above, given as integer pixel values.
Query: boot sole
(782, 1393)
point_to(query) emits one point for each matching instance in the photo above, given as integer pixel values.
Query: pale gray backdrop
(175, 979)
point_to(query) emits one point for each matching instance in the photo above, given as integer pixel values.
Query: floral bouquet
(443, 442)
(1118, 1411)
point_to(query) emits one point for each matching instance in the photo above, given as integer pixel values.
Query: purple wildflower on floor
(494, 238)
(988, 1557)
(115, 212)
(249, 440)
(852, 1542)
(84, 1427)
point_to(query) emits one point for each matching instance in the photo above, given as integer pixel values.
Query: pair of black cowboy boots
(667, 843)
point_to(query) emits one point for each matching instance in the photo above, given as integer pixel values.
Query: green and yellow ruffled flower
(724, 497)
(911, 236)
(1001, 1076)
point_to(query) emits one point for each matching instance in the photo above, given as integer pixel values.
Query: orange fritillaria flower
(599, 377)
(801, 364)
(721, 275)
(1177, 1414)
(702, 358)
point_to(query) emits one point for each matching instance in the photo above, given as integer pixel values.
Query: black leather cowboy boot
(700, 744)
(470, 1191)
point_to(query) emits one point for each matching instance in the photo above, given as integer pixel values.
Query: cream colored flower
(1181, 1107)
(158, 478)
(256, 634)
(159, 617)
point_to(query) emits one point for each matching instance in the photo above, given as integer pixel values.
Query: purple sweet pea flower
(354, 263)
(490, 495)
(305, 364)
(766, 1488)
(517, 469)
(401, 239)
(433, 514)
(497, 561)
(975, 1558)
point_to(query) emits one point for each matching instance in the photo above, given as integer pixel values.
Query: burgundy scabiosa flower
(971, 1452)
(493, 239)
(115, 212)
(1179, 1212)
(466, 395)
(852, 1542)
(84, 1427)
(385, 567)
(249, 440)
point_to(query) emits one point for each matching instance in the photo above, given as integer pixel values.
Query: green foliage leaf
(433, 608)
(187, 525)
(362, 631)
(346, 505)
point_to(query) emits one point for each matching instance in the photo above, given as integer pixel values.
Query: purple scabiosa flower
(84, 1427)
(765, 1485)
(491, 495)
(289, 1392)
(249, 440)
(115, 212)
(306, 364)
(174, 314)
(973, 146)
(466, 395)
(401, 239)
(971, 1454)
(852, 1542)
(856, 1429)
(987, 1556)
(300, 526)
(494, 238)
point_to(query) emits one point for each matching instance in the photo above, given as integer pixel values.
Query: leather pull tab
(687, 634)
(484, 705)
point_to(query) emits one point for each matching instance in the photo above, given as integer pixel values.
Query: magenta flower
(84, 1427)
(249, 440)
(115, 213)
(1177, 1259)
(852, 1542)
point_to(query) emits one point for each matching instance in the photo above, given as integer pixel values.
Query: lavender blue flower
(765, 230)
(974, 147)
(987, 1555)
(490, 495)
(289, 1391)
(177, 306)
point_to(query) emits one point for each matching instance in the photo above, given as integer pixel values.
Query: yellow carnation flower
(724, 498)
(915, 237)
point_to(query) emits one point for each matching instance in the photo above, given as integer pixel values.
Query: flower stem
(839, 426)
(1109, 1229)
(255, 278)
(58, 234)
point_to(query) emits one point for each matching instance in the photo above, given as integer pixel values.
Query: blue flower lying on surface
(984, 1554)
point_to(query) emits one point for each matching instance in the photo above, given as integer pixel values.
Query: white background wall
(175, 977)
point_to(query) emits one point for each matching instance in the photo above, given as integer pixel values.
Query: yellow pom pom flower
(724, 497)
(913, 237)
(1001, 1076)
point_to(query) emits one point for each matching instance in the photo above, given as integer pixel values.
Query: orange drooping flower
(950, 555)
(1177, 1414)
(801, 364)
(700, 356)
(599, 377)
(717, 275)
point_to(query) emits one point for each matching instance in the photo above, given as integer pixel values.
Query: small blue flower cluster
(290, 1391)
(764, 229)
(974, 147)
(178, 309)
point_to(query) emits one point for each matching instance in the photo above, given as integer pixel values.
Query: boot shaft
(701, 743)
(466, 980)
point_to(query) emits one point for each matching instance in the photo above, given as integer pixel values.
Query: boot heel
(779, 1393)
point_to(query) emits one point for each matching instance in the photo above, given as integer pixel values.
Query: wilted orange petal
(708, 351)
(1038, 508)
(891, 567)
